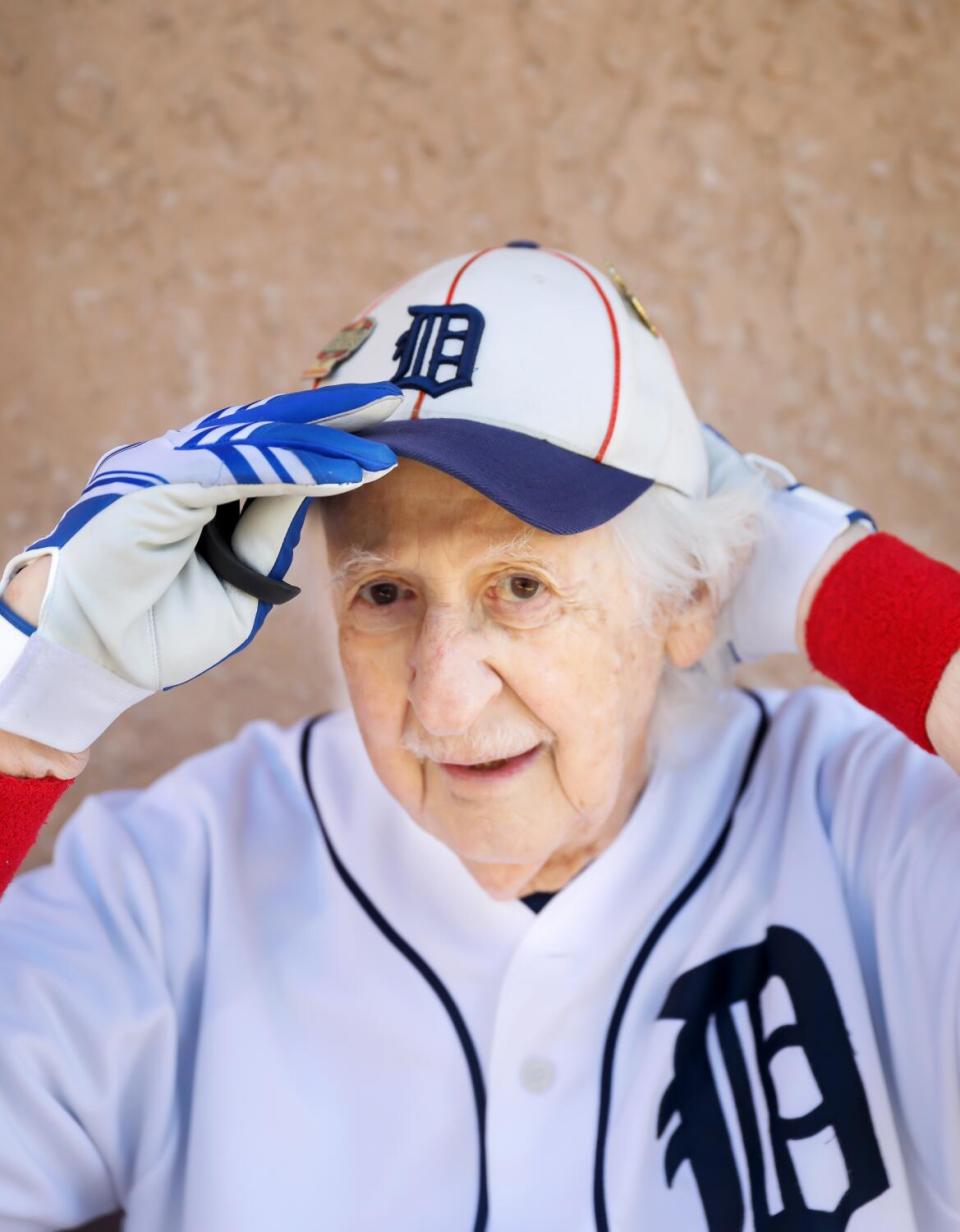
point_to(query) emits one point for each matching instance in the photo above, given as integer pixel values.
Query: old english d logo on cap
(442, 338)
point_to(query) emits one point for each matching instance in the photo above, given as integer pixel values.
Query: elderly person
(553, 929)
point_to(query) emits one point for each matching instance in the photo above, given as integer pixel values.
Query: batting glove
(130, 606)
(801, 523)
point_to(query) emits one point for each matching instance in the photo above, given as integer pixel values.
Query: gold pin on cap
(629, 298)
(349, 340)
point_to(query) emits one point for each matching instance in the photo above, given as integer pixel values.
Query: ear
(691, 630)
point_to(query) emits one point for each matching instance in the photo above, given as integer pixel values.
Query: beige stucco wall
(196, 194)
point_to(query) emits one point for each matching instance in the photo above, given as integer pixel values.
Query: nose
(451, 681)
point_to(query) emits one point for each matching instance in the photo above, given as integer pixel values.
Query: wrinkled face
(468, 637)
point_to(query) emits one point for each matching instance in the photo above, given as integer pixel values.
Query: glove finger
(728, 466)
(268, 531)
(727, 463)
(314, 438)
(250, 466)
(352, 406)
(359, 416)
(305, 466)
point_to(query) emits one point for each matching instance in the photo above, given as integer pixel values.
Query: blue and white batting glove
(761, 616)
(130, 606)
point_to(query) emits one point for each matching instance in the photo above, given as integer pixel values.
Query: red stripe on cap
(415, 413)
(615, 402)
(462, 270)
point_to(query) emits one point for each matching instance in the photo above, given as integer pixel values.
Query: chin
(485, 856)
(476, 840)
(502, 882)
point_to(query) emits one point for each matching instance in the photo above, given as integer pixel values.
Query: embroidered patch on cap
(349, 340)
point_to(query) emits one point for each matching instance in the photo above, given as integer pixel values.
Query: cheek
(376, 680)
(597, 699)
(375, 683)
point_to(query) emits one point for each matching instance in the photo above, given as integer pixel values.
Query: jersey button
(537, 1074)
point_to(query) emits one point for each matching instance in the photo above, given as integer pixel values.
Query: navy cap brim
(549, 487)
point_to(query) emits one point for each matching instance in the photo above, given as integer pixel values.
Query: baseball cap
(531, 376)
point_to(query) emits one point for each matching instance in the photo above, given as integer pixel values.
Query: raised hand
(801, 524)
(130, 606)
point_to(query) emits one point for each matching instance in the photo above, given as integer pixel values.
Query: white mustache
(492, 744)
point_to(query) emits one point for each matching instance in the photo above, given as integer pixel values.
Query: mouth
(501, 768)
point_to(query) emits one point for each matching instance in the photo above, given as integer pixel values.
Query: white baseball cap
(531, 376)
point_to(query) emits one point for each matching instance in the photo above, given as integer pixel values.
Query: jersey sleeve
(893, 816)
(95, 993)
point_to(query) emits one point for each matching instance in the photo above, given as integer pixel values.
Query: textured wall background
(197, 194)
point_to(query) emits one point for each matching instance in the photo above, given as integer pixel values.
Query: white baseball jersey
(258, 995)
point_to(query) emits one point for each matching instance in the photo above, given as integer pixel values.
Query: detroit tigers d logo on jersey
(438, 352)
(808, 1169)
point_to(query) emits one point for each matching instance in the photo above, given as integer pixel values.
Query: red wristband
(884, 623)
(25, 804)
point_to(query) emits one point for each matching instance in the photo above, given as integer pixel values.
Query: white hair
(683, 549)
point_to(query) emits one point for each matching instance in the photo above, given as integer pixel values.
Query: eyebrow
(356, 559)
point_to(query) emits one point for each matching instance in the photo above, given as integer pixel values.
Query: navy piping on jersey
(636, 967)
(620, 1008)
(424, 968)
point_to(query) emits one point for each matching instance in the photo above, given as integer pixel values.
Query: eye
(381, 606)
(523, 587)
(380, 594)
(522, 601)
